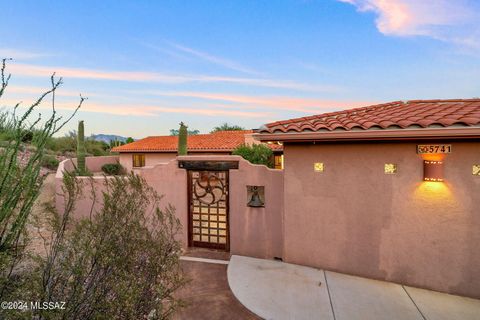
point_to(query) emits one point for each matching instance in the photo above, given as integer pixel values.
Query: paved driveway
(208, 294)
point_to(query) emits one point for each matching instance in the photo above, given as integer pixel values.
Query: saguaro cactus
(182, 140)
(81, 149)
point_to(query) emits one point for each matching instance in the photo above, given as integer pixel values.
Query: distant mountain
(107, 137)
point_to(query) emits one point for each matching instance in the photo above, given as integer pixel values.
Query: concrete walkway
(277, 290)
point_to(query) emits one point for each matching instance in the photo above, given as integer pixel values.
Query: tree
(20, 183)
(255, 153)
(116, 143)
(129, 140)
(175, 132)
(227, 127)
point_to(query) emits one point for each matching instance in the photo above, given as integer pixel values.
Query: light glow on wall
(433, 194)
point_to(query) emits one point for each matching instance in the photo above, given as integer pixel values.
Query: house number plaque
(434, 148)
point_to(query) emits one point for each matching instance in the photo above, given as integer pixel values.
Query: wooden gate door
(208, 213)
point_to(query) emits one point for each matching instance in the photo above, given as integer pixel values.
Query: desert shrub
(120, 263)
(27, 136)
(112, 168)
(50, 162)
(68, 144)
(96, 148)
(62, 144)
(256, 154)
(20, 182)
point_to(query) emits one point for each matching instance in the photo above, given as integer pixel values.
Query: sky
(145, 66)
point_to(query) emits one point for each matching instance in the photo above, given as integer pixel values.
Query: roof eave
(171, 151)
(373, 135)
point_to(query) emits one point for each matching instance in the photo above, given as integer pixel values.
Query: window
(278, 161)
(138, 160)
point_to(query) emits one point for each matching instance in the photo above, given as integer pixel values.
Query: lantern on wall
(433, 171)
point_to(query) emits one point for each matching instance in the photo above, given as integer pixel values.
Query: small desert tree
(20, 181)
(176, 132)
(227, 127)
(255, 153)
(120, 263)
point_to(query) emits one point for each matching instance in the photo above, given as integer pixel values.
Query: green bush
(256, 154)
(62, 144)
(27, 136)
(50, 162)
(68, 144)
(122, 262)
(112, 169)
(96, 148)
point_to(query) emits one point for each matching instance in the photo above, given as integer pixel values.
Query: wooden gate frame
(192, 165)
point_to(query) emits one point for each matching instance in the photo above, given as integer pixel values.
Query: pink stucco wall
(354, 218)
(96, 184)
(254, 232)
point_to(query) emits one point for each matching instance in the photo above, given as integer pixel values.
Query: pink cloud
(139, 110)
(453, 21)
(37, 91)
(305, 105)
(139, 76)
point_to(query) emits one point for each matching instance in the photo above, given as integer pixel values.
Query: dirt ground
(37, 226)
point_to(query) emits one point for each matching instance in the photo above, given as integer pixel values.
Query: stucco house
(159, 149)
(389, 191)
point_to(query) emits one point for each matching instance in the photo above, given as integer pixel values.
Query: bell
(255, 201)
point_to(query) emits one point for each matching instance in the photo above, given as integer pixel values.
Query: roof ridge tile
(403, 114)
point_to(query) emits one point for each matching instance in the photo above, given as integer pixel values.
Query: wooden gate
(208, 213)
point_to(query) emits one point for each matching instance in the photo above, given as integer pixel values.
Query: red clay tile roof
(221, 141)
(393, 115)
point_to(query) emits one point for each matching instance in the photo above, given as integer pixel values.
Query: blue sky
(147, 65)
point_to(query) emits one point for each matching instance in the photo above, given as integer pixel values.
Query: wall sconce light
(318, 167)
(390, 168)
(476, 170)
(433, 171)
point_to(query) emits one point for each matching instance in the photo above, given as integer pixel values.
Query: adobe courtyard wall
(255, 232)
(354, 218)
(91, 188)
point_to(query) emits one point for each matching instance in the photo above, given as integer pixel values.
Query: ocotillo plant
(81, 149)
(182, 140)
(20, 182)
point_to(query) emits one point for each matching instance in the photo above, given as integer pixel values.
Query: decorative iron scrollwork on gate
(208, 188)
